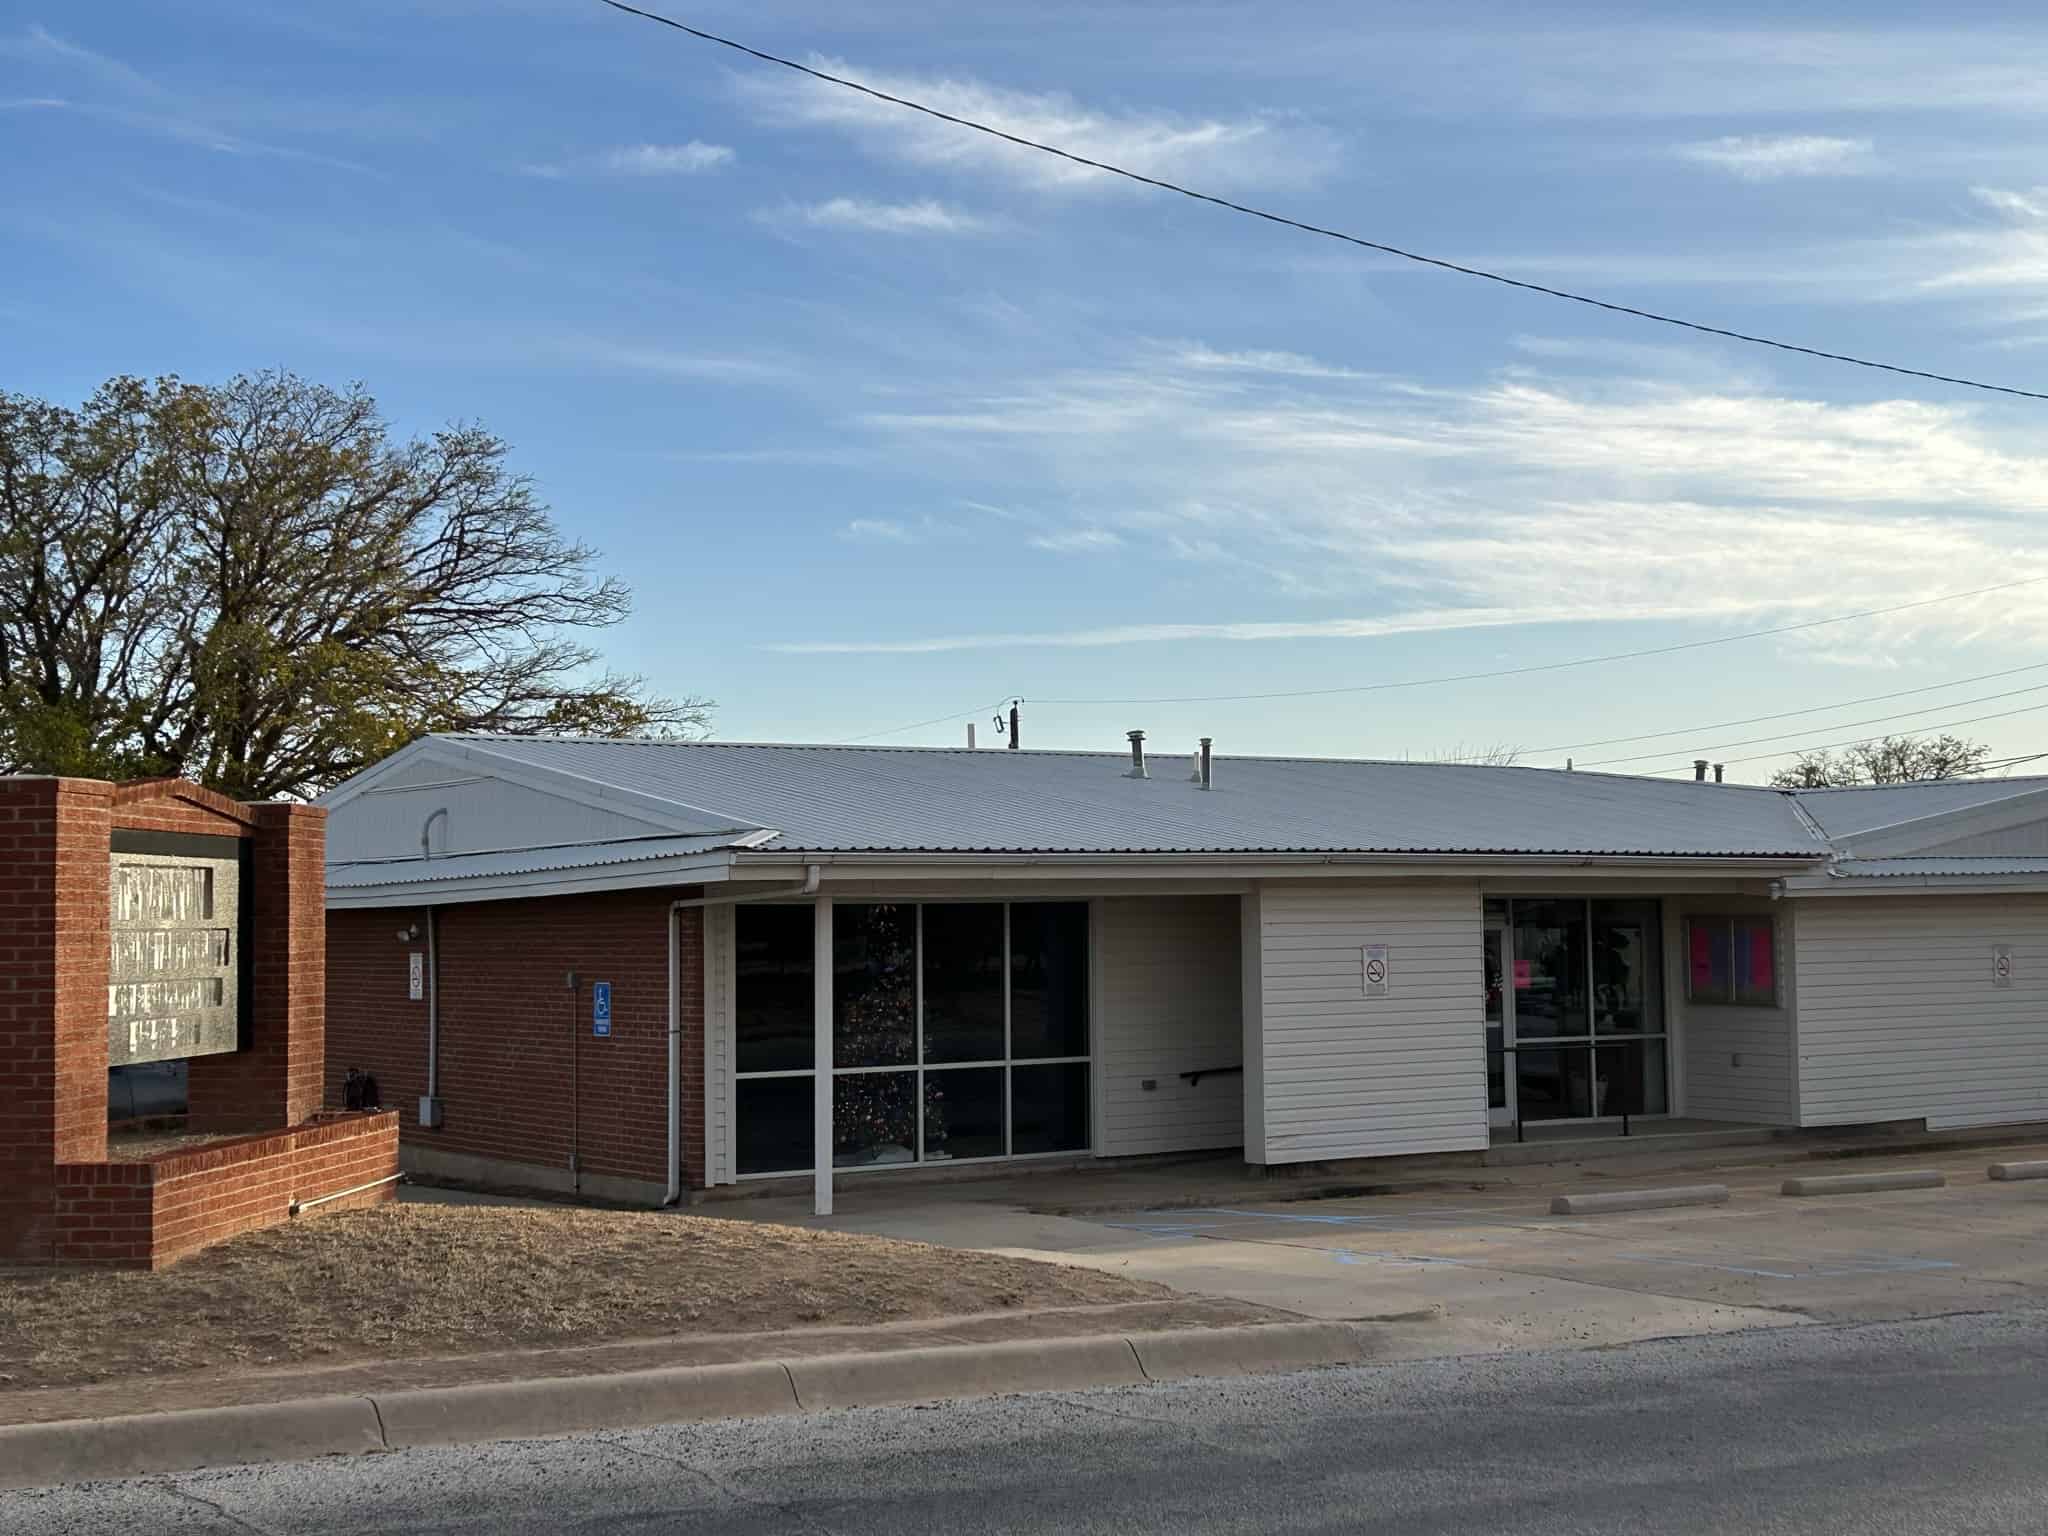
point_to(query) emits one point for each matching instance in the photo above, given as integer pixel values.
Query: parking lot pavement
(1495, 1271)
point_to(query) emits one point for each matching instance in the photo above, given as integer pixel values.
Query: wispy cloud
(1294, 364)
(635, 357)
(691, 159)
(1078, 541)
(926, 216)
(890, 530)
(1774, 157)
(1264, 149)
(1397, 507)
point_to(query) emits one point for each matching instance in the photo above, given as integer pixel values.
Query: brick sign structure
(152, 922)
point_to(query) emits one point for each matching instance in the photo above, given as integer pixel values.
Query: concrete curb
(1865, 1183)
(78, 1450)
(82, 1450)
(1595, 1203)
(2017, 1171)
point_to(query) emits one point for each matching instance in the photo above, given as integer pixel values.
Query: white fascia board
(1911, 885)
(580, 789)
(1908, 837)
(905, 867)
(710, 869)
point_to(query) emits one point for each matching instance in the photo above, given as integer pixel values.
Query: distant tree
(1890, 760)
(1499, 755)
(255, 586)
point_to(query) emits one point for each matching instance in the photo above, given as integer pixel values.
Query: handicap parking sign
(600, 1008)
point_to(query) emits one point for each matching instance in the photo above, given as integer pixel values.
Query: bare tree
(1500, 755)
(1888, 760)
(254, 586)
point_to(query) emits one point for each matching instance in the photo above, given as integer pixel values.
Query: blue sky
(884, 420)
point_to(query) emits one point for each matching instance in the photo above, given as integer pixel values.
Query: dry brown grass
(404, 1281)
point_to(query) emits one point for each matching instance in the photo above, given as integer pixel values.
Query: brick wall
(514, 1039)
(147, 1214)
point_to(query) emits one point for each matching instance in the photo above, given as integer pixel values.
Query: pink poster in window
(1761, 976)
(1702, 960)
(1523, 979)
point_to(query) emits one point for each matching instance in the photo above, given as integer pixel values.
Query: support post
(821, 1082)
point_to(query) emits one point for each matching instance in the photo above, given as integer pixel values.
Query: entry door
(1500, 1003)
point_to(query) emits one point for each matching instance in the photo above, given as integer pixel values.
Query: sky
(885, 421)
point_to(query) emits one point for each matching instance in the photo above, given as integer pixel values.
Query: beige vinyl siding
(1899, 1019)
(719, 955)
(1740, 1063)
(1344, 1075)
(1170, 1001)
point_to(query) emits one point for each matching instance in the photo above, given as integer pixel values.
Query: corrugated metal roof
(848, 799)
(522, 861)
(1847, 812)
(1934, 868)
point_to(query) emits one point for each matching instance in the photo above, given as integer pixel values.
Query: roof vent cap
(1137, 755)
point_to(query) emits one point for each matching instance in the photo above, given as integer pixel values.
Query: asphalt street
(1930, 1426)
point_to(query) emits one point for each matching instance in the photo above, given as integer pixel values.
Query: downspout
(809, 887)
(433, 1008)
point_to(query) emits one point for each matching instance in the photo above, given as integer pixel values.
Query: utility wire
(898, 730)
(1751, 741)
(1313, 229)
(1786, 714)
(1558, 666)
(1853, 741)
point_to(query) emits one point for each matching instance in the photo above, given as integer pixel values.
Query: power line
(1786, 714)
(2010, 693)
(898, 730)
(1853, 741)
(1558, 666)
(1312, 229)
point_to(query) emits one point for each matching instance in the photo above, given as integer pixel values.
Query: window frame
(1733, 998)
(919, 1067)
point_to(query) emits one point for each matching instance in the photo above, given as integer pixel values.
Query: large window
(959, 1030)
(1732, 961)
(1585, 992)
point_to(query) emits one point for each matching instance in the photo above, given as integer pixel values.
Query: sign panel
(2001, 965)
(600, 1008)
(172, 986)
(416, 976)
(1375, 966)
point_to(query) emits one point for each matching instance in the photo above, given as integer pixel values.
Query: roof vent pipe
(1202, 764)
(1137, 755)
(1717, 771)
(1699, 769)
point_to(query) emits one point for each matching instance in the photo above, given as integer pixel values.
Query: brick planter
(154, 1211)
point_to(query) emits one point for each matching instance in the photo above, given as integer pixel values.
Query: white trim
(1235, 870)
(1910, 885)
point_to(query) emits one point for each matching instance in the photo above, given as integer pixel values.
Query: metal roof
(1848, 812)
(955, 800)
(364, 873)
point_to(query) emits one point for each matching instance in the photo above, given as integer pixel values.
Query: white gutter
(1907, 885)
(809, 887)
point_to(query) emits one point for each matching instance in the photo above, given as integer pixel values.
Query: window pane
(1496, 1057)
(1049, 1108)
(1754, 966)
(775, 1130)
(1550, 970)
(963, 982)
(772, 984)
(1631, 1079)
(1708, 960)
(963, 1113)
(1049, 979)
(874, 985)
(1628, 968)
(874, 1119)
(1554, 1082)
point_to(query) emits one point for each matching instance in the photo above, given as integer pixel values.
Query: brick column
(277, 1082)
(54, 876)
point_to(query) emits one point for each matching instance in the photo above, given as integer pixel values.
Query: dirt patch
(406, 1281)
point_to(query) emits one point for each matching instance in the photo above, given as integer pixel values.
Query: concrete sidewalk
(1500, 1272)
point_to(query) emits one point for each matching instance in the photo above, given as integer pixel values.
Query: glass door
(1500, 1085)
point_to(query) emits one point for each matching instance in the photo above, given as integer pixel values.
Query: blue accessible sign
(600, 1008)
